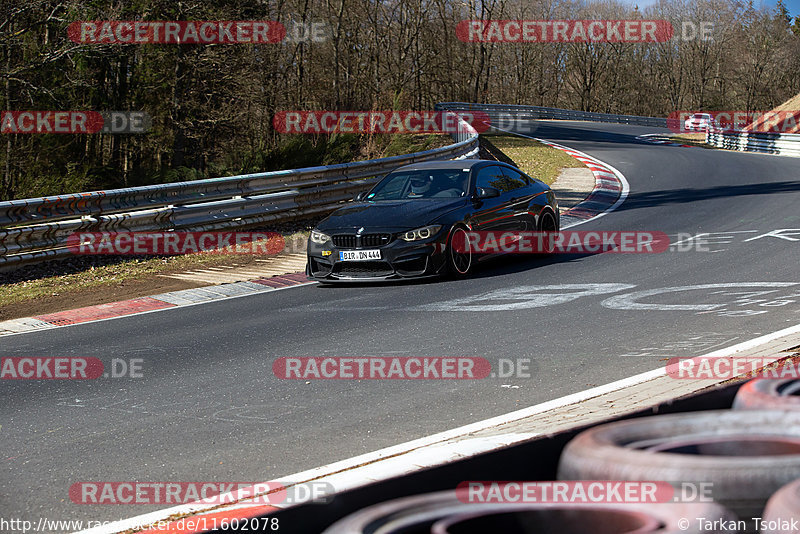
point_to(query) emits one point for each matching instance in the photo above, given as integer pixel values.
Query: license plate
(359, 255)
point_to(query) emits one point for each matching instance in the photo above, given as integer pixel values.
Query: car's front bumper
(399, 260)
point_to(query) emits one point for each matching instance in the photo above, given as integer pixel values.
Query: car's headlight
(421, 233)
(319, 238)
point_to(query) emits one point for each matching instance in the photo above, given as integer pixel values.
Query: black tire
(574, 518)
(768, 394)
(421, 513)
(459, 264)
(747, 455)
(548, 223)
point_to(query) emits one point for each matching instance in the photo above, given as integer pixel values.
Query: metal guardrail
(764, 142)
(36, 229)
(499, 112)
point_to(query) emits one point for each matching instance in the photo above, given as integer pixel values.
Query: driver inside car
(420, 185)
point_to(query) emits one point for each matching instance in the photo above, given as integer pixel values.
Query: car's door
(520, 193)
(493, 213)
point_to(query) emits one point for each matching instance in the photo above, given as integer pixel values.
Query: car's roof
(458, 164)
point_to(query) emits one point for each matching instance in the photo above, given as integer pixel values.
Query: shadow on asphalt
(491, 267)
(683, 195)
(565, 133)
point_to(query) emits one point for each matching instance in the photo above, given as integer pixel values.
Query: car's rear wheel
(459, 253)
(548, 224)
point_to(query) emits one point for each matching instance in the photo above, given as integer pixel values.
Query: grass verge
(693, 139)
(70, 281)
(534, 158)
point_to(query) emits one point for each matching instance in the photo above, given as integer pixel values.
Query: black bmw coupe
(405, 226)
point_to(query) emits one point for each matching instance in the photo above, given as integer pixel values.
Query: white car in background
(698, 121)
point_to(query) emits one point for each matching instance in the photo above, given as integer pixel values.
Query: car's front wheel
(459, 253)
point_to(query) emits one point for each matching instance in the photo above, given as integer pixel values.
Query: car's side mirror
(360, 196)
(487, 192)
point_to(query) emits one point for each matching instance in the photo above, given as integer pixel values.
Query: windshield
(426, 183)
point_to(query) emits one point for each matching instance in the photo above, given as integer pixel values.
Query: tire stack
(782, 513)
(443, 513)
(750, 455)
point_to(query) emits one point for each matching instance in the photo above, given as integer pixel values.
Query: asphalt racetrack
(208, 407)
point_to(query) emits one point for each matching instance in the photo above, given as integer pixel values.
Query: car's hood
(389, 215)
